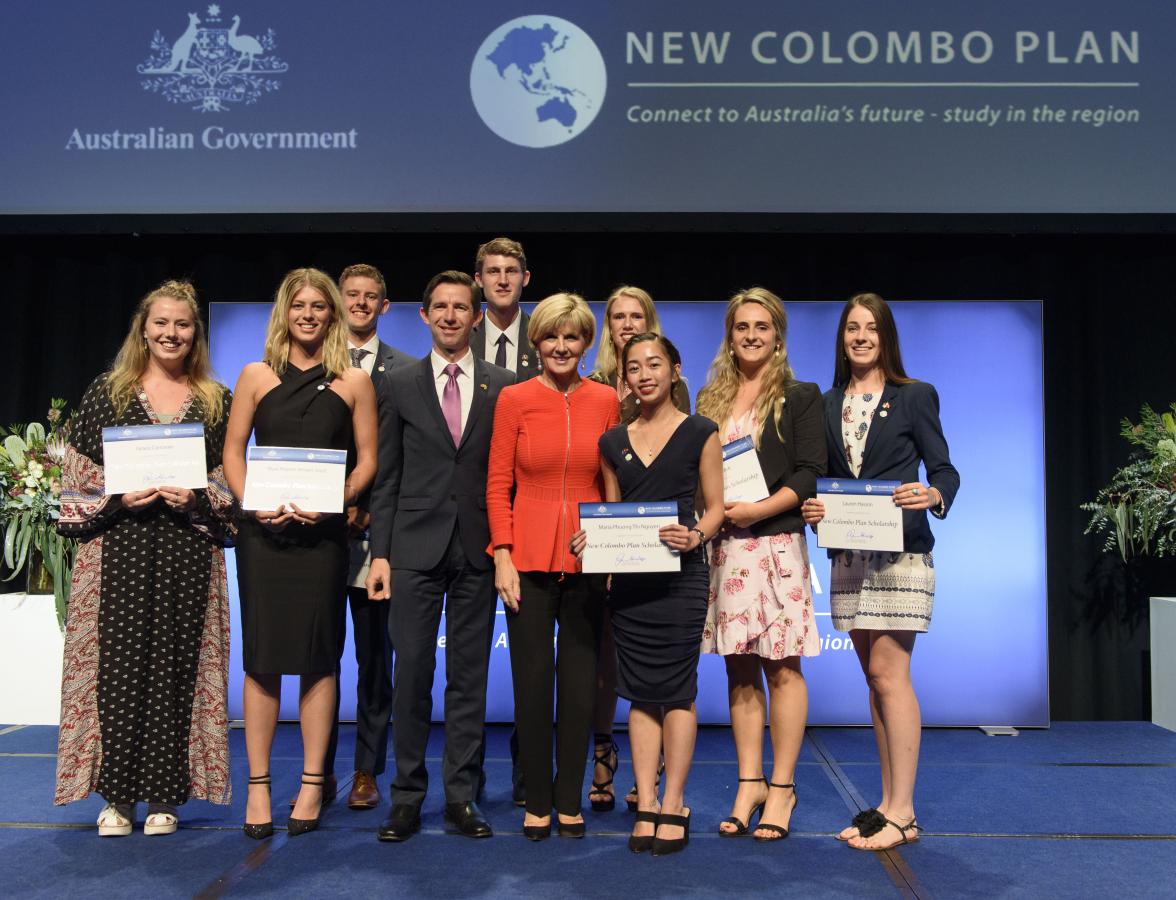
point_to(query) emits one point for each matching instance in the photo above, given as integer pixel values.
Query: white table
(1163, 661)
(30, 660)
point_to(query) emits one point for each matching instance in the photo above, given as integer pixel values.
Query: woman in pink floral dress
(760, 610)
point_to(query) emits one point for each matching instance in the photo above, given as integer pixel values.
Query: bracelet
(701, 536)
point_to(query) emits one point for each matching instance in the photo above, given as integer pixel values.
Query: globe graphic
(538, 81)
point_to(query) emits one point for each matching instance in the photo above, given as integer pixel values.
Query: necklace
(656, 441)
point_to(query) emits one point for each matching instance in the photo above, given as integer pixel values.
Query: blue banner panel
(926, 106)
(984, 660)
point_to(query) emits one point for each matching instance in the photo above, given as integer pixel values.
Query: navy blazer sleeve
(932, 446)
(386, 490)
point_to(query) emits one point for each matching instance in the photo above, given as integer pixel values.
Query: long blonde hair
(718, 394)
(122, 380)
(607, 367)
(336, 360)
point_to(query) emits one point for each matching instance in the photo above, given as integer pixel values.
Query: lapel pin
(628, 455)
(526, 361)
(483, 387)
(322, 387)
(885, 406)
(381, 368)
(883, 414)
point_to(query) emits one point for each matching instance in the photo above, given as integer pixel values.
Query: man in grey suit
(429, 522)
(500, 268)
(365, 298)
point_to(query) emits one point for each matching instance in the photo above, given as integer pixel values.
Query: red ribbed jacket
(545, 448)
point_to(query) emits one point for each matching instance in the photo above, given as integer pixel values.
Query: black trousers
(373, 685)
(467, 594)
(538, 671)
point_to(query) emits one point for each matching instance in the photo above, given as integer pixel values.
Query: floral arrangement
(1137, 509)
(31, 457)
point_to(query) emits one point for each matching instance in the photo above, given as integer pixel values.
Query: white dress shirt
(465, 381)
(512, 341)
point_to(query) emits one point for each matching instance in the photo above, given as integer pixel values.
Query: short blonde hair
(558, 310)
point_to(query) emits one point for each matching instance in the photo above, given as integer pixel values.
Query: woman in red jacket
(544, 462)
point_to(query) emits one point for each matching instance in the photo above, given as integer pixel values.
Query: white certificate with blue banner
(309, 477)
(743, 479)
(622, 537)
(859, 515)
(142, 457)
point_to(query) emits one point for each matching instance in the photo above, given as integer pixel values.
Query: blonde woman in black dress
(292, 563)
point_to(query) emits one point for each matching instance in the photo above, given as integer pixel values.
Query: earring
(583, 364)
(731, 350)
(777, 353)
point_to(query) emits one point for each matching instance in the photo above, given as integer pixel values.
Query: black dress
(657, 618)
(292, 583)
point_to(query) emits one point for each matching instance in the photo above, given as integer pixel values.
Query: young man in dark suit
(429, 525)
(365, 298)
(500, 268)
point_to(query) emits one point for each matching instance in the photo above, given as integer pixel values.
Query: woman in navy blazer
(880, 424)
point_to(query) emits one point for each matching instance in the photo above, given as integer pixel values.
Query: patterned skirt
(880, 591)
(761, 599)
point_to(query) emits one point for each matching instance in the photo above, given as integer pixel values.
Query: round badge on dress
(322, 387)
(883, 414)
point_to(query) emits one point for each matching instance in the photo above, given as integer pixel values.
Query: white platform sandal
(160, 819)
(115, 820)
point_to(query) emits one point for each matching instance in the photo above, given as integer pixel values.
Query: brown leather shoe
(364, 792)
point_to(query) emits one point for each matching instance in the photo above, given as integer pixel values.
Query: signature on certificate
(630, 559)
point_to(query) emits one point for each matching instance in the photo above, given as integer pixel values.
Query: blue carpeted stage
(1080, 810)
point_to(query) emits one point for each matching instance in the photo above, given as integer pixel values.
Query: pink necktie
(451, 403)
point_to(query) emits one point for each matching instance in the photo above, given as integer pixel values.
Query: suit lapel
(384, 358)
(878, 425)
(478, 338)
(428, 390)
(478, 401)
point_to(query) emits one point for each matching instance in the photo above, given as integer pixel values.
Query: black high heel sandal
(666, 846)
(641, 843)
(302, 826)
(779, 830)
(607, 800)
(741, 827)
(263, 829)
(631, 797)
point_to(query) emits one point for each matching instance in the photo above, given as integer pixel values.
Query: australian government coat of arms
(211, 66)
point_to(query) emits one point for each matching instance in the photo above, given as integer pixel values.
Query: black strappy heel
(631, 797)
(263, 829)
(608, 759)
(779, 830)
(302, 826)
(741, 827)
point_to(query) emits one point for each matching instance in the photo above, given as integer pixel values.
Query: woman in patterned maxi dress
(760, 610)
(143, 697)
(880, 424)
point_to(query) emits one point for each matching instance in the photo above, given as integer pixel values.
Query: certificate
(743, 479)
(859, 515)
(309, 477)
(141, 457)
(622, 537)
